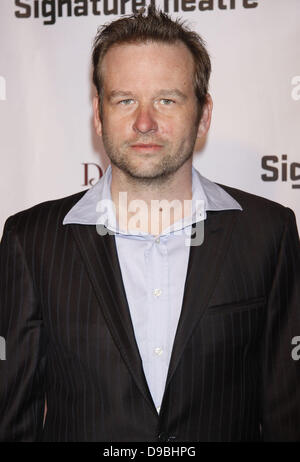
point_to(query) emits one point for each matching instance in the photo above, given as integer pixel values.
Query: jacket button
(165, 437)
(162, 437)
(171, 438)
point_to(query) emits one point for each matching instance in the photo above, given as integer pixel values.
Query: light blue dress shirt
(153, 268)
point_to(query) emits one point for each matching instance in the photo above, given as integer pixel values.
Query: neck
(157, 203)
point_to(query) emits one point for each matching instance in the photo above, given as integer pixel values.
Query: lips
(146, 146)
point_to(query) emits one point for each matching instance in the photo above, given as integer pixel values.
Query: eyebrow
(173, 92)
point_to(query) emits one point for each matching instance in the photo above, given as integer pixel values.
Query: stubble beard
(160, 171)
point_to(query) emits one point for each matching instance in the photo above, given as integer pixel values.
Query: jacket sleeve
(22, 392)
(281, 370)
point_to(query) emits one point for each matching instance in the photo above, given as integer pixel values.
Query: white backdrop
(48, 146)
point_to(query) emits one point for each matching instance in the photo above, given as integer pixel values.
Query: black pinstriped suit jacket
(69, 335)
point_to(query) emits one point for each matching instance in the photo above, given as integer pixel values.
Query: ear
(97, 121)
(204, 123)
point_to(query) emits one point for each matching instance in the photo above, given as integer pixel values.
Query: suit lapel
(100, 258)
(204, 268)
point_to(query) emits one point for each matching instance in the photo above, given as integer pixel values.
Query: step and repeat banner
(48, 145)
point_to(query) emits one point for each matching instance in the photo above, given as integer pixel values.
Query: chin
(145, 174)
(157, 173)
(141, 170)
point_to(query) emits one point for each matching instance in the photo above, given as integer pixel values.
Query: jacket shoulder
(259, 210)
(251, 202)
(45, 212)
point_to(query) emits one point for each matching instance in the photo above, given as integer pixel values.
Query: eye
(167, 102)
(126, 102)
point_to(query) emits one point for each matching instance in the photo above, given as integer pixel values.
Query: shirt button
(157, 292)
(158, 351)
(158, 409)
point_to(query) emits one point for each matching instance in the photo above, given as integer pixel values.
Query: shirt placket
(158, 296)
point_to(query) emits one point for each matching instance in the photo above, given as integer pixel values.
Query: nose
(145, 120)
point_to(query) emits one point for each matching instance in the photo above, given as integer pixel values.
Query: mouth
(146, 147)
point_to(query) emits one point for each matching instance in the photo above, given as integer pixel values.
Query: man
(129, 330)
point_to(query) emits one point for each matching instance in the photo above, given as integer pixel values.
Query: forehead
(148, 65)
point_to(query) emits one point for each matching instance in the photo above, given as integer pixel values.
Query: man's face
(149, 120)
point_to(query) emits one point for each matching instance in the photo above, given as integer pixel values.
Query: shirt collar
(96, 207)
